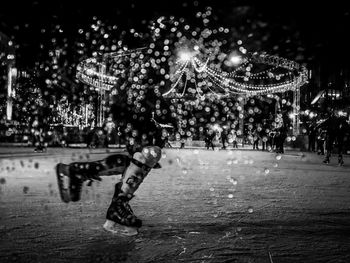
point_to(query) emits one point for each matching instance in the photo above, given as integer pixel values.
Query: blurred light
(216, 127)
(342, 113)
(185, 56)
(235, 60)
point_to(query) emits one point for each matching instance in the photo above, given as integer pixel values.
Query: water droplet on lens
(266, 171)
(250, 210)
(233, 181)
(278, 157)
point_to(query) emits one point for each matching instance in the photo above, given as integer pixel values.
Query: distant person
(312, 138)
(223, 138)
(271, 140)
(256, 139)
(343, 129)
(167, 143)
(234, 139)
(331, 125)
(182, 143)
(209, 137)
(336, 129)
(109, 128)
(39, 141)
(320, 140)
(263, 135)
(38, 138)
(280, 138)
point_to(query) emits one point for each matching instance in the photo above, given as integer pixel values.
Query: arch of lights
(258, 74)
(281, 75)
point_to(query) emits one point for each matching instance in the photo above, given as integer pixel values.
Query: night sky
(313, 32)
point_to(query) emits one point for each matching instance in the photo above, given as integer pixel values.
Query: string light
(93, 73)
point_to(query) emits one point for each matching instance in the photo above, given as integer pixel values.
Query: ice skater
(209, 137)
(336, 128)
(134, 167)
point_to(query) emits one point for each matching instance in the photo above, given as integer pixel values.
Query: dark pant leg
(111, 165)
(340, 148)
(329, 146)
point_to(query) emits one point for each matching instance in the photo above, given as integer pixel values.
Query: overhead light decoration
(191, 63)
(235, 59)
(281, 75)
(185, 56)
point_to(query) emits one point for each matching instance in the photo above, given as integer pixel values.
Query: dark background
(318, 31)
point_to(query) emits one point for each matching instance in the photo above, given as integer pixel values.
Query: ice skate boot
(120, 217)
(70, 177)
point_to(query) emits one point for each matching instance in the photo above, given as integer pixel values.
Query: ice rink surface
(202, 206)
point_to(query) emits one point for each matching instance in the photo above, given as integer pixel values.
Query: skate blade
(121, 230)
(63, 182)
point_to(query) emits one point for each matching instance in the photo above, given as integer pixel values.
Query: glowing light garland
(93, 72)
(297, 76)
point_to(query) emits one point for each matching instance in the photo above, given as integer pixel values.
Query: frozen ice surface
(297, 212)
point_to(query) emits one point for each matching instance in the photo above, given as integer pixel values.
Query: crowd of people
(261, 138)
(324, 137)
(269, 140)
(327, 135)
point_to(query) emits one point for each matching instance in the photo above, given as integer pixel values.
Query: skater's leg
(71, 176)
(120, 217)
